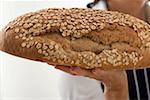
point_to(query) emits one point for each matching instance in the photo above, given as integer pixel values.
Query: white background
(23, 79)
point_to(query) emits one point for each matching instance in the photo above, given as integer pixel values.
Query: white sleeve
(79, 88)
(101, 5)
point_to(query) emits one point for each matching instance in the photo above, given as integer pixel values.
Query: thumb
(101, 74)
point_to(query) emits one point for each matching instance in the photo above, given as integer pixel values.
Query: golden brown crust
(79, 37)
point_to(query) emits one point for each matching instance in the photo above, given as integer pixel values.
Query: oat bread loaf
(86, 38)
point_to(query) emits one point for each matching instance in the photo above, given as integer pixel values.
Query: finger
(77, 71)
(51, 64)
(64, 68)
(83, 72)
(80, 71)
(101, 74)
(98, 71)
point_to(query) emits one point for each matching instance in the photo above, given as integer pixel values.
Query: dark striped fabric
(139, 84)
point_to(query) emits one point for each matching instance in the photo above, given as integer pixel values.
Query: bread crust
(92, 39)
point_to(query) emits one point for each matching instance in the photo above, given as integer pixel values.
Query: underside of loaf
(79, 37)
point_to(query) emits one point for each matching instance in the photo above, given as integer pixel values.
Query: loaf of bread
(87, 38)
